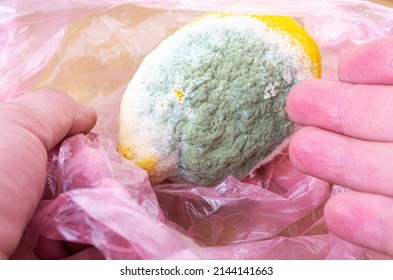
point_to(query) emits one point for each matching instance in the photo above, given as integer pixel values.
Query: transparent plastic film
(90, 50)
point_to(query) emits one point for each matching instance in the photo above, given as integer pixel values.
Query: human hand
(348, 140)
(31, 126)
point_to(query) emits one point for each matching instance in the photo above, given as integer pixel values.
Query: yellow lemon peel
(290, 26)
(145, 162)
(179, 94)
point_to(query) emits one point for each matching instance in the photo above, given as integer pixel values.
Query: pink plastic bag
(90, 50)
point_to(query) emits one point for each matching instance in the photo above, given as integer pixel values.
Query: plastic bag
(90, 50)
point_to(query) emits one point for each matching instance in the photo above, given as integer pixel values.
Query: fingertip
(90, 253)
(299, 148)
(334, 211)
(293, 148)
(85, 116)
(346, 217)
(361, 218)
(369, 63)
(90, 111)
(49, 249)
(62, 113)
(297, 99)
(352, 67)
(87, 119)
(344, 67)
(292, 101)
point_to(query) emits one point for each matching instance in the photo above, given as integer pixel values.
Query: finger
(363, 219)
(29, 127)
(90, 253)
(359, 111)
(370, 63)
(24, 252)
(50, 115)
(356, 164)
(48, 249)
(75, 248)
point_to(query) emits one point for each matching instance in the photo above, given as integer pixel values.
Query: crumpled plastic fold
(90, 50)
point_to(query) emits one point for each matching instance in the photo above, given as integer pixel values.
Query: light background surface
(388, 3)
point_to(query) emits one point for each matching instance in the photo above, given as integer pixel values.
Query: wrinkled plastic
(90, 50)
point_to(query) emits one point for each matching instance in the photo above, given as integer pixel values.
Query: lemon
(209, 101)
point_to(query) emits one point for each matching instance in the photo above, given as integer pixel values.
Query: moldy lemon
(209, 101)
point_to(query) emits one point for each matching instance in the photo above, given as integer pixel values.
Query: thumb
(30, 126)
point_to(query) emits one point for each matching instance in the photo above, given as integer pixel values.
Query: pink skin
(347, 139)
(30, 126)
